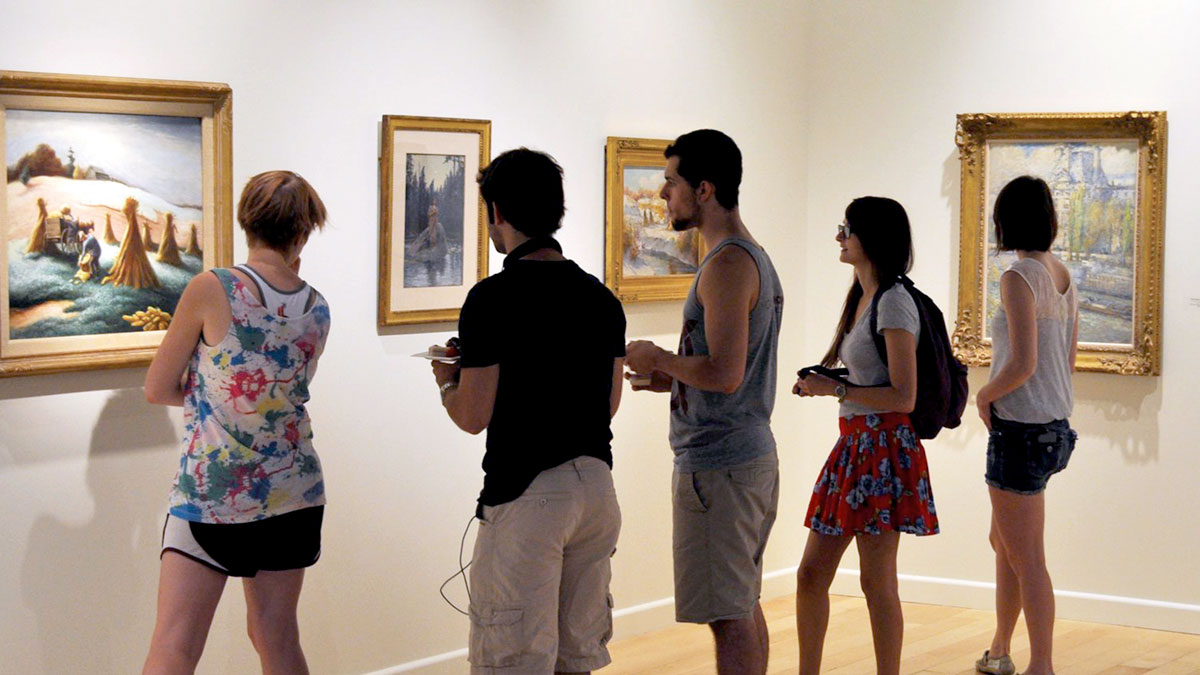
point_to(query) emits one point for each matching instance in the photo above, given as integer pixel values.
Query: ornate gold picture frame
(433, 240)
(1108, 175)
(118, 192)
(644, 258)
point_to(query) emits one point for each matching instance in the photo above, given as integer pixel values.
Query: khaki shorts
(721, 520)
(540, 575)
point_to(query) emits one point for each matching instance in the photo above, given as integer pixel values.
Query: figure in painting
(89, 255)
(430, 246)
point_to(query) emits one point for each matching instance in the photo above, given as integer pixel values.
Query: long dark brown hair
(881, 226)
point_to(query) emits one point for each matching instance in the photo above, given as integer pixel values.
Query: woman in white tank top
(1025, 406)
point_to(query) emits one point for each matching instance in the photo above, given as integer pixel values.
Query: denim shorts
(1021, 457)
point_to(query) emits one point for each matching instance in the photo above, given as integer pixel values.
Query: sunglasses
(844, 230)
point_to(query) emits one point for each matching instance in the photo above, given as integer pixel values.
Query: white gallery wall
(85, 463)
(884, 82)
(828, 101)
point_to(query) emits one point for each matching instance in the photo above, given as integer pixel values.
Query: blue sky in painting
(159, 154)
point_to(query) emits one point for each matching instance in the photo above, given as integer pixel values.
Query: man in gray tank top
(722, 384)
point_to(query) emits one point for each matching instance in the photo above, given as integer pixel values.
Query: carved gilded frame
(642, 153)
(399, 305)
(1143, 355)
(212, 103)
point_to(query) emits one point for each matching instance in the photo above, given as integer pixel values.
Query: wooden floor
(936, 640)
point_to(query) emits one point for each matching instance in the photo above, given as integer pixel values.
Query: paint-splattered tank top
(247, 447)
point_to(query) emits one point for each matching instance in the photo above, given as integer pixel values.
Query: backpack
(941, 378)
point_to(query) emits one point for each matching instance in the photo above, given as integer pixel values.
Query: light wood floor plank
(937, 641)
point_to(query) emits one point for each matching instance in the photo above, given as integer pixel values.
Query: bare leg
(739, 645)
(764, 637)
(822, 554)
(188, 593)
(1008, 597)
(271, 599)
(1020, 520)
(877, 562)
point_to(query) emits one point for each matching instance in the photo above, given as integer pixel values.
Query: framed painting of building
(433, 240)
(645, 258)
(1107, 172)
(118, 192)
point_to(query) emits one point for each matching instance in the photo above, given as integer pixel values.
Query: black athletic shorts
(287, 542)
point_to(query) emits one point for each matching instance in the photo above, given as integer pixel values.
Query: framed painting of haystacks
(645, 258)
(1107, 172)
(118, 193)
(433, 240)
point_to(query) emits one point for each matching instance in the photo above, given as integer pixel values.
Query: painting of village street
(1095, 196)
(103, 225)
(433, 220)
(651, 246)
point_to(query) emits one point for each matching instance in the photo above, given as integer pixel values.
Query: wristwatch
(446, 386)
(840, 392)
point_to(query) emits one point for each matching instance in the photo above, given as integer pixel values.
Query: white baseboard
(1072, 605)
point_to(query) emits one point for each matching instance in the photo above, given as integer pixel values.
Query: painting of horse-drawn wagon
(107, 215)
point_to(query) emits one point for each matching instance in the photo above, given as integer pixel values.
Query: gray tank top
(711, 430)
(1048, 394)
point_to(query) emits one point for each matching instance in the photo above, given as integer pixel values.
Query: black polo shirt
(554, 330)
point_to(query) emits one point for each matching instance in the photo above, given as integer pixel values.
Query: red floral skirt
(876, 480)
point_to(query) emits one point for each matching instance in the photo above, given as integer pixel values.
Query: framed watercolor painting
(433, 241)
(645, 259)
(118, 192)
(1107, 172)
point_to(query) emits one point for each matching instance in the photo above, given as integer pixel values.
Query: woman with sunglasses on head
(249, 496)
(875, 483)
(1025, 406)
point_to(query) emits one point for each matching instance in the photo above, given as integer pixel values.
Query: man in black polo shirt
(543, 345)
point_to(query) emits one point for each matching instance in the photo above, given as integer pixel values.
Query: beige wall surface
(85, 463)
(884, 82)
(828, 101)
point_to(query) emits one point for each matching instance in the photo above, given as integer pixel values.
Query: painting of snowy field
(651, 246)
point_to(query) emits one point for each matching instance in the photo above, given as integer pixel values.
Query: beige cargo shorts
(721, 521)
(540, 575)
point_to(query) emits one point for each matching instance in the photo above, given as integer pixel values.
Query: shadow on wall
(92, 584)
(1123, 410)
(952, 193)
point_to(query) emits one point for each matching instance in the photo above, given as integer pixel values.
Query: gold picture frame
(433, 239)
(178, 187)
(644, 258)
(1108, 175)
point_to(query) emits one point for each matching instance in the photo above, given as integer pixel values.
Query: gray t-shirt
(897, 309)
(712, 430)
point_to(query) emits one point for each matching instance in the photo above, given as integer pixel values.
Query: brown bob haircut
(1024, 215)
(280, 209)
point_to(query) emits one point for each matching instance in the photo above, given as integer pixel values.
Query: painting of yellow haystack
(103, 219)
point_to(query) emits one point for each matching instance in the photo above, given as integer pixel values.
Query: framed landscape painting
(433, 241)
(1107, 173)
(117, 193)
(645, 258)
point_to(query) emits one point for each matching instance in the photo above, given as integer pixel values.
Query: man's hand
(445, 372)
(641, 356)
(659, 382)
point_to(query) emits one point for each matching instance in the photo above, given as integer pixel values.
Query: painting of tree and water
(103, 220)
(1095, 195)
(433, 220)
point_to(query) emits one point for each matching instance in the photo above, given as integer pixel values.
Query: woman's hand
(814, 385)
(984, 405)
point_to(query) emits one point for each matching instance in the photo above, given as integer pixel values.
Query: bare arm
(728, 289)
(469, 403)
(1021, 309)
(1075, 341)
(614, 397)
(201, 301)
(900, 395)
